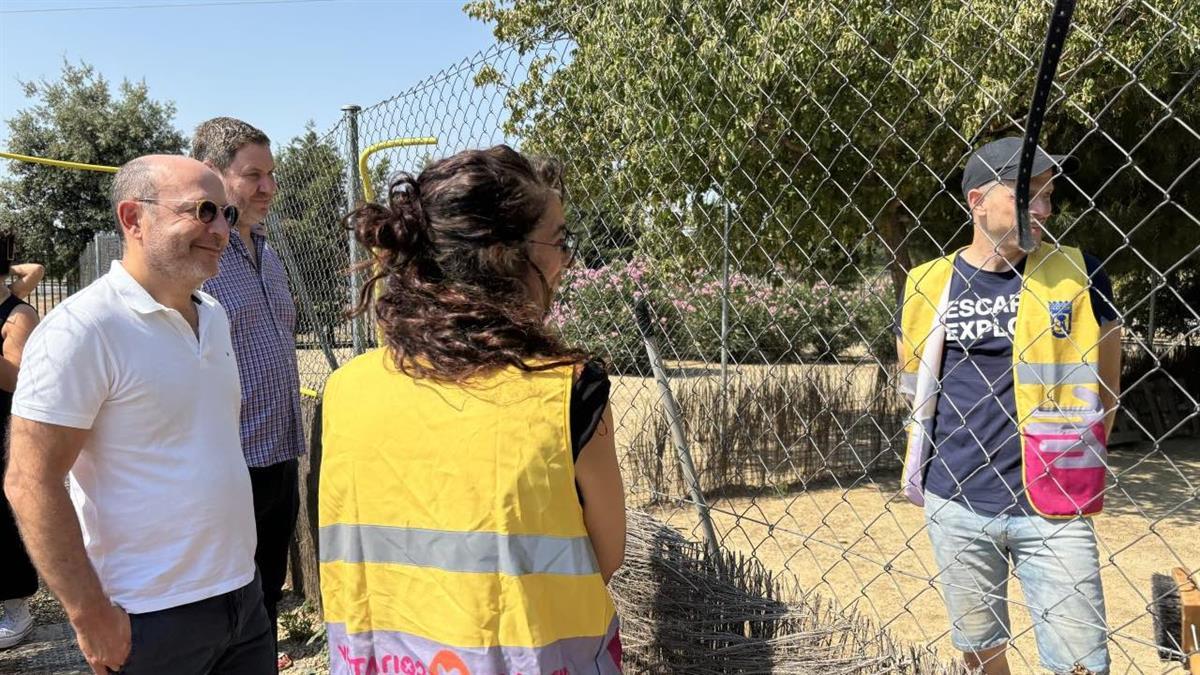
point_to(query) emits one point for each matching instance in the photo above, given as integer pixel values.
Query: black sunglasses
(205, 210)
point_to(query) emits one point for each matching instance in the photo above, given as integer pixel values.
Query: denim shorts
(1057, 564)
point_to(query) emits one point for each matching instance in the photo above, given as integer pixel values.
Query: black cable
(1056, 38)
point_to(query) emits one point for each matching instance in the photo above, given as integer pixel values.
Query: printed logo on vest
(1060, 318)
(388, 663)
(447, 662)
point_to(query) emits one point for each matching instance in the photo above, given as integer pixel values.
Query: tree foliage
(311, 171)
(312, 189)
(79, 118)
(836, 130)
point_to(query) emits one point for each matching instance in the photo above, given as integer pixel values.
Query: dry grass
(788, 425)
(685, 610)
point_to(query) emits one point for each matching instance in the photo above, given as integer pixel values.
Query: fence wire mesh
(98, 256)
(50, 292)
(762, 175)
(304, 227)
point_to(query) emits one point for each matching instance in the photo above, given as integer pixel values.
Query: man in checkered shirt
(253, 288)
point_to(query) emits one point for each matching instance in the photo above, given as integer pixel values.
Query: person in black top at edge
(18, 580)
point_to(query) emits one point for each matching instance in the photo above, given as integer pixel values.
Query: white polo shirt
(161, 488)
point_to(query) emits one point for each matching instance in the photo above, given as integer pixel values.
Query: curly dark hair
(447, 283)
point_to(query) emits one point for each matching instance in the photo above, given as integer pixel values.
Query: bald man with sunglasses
(130, 389)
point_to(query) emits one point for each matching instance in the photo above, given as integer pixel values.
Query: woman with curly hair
(471, 505)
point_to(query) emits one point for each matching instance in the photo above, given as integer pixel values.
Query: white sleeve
(65, 373)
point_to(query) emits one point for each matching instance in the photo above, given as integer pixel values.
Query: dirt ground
(868, 550)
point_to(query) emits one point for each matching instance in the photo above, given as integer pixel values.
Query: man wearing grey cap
(1012, 361)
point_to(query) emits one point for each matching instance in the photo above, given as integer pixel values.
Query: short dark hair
(8, 251)
(134, 180)
(218, 140)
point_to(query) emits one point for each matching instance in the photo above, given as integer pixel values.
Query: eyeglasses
(568, 246)
(205, 210)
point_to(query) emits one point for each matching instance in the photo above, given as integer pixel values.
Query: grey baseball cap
(1001, 159)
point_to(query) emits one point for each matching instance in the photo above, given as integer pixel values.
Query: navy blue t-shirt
(977, 452)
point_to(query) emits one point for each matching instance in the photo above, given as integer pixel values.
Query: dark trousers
(224, 635)
(18, 579)
(276, 503)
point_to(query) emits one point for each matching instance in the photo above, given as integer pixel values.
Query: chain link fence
(49, 292)
(761, 175)
(98, 256)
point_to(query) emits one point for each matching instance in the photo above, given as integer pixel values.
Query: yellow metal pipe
(365, 176)
(368, 190)
(59, 163)
(304, 391)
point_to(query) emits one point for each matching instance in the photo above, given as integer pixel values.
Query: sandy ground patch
(865, 548)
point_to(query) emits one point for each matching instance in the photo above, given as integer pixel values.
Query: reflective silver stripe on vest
(513, 554)
(1057, 373)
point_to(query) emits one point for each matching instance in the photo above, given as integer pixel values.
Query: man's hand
(104, 637)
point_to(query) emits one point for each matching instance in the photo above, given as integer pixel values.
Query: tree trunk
(304, 553)
(894, 231)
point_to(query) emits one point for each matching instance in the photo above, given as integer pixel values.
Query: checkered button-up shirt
(262, 321)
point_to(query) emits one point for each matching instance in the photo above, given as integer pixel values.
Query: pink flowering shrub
(761, 316)
(770, 318)
(843, 317)
(594, 311)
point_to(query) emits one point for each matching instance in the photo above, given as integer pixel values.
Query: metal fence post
(724, 325)
(678, 434)
(357, 337)
(96, 239)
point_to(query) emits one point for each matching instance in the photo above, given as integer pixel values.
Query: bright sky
(274, 63)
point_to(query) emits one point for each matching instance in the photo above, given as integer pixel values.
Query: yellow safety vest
(1055, 371)
(452, 541)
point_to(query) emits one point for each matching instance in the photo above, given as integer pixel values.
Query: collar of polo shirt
(134, 295)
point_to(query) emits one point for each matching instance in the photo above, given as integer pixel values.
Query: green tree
(78, 118)
(836, 130)
(311, 205)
